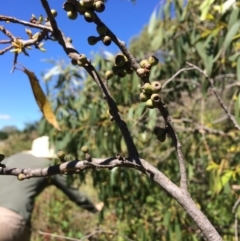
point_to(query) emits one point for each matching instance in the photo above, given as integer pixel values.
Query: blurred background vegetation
(205, 33)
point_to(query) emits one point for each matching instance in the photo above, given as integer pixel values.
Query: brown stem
(22, 22)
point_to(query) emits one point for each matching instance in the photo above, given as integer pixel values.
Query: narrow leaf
(229, 37)
(205, 6)
(152, 22)
(41, 99)
(237, 107)
(238, 68)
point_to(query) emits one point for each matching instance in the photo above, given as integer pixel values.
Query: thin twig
(169, 125)
(175, 75)
(25, 23)
(216, 94)
(140, 118)
(57, 236)
(7, 33)
(5, 41)
(5, 50)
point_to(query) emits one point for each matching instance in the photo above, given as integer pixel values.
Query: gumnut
(115, 69)
(147, 88)
(89, 16)
(21, 177)
(67, 6)
(92, 40)
(106, 40)
(108, 74)
(129, 70)
(143, 97)
(54, 12)
(83, 58)
(81, 8)
(122, 72)
(156, 86)
(72, 15)
(120, 60)
(61, 155)
(85, 149)
(155, 98)
(160, 133)
(145, 64)
(153, 60)
(149, 104)
(162, 138)
(99, 6)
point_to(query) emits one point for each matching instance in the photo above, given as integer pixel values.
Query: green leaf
(234, 57)
(238, 68)
(226, 177)
(166, 219)
(233, 17)
(157, 41)
(237, 110)
(177, 231)
(152, 22)
(227, 41)
(205, 6)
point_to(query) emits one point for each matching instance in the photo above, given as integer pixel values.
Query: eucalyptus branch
(153, 173)
(73, 53)
(122, 46)
(200, 128)
(216, 94)
(51, 18)
(162, 107)
(25, 23)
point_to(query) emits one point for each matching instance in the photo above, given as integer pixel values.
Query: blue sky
(18, 106)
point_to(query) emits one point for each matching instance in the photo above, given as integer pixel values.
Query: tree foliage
(205, 34)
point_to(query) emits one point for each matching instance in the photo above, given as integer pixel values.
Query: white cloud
(5, 117)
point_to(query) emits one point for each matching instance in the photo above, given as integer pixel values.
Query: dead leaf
(41, 99)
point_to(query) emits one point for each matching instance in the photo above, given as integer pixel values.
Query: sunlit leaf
(41, 99)
(205, 6)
